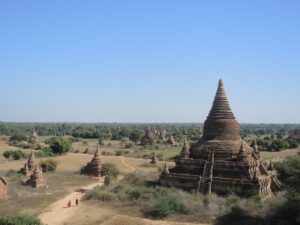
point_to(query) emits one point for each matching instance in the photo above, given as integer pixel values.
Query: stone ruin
(185, 152)
(162, 134)
(33, 136)
(221, 162)
(29, 167)
(148, 138)
(36, 179)
(171, 140)
(154, 159)
(93, 168)
(3, 187)
(296, 135)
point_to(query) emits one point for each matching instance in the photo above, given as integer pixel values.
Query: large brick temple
(221, 161)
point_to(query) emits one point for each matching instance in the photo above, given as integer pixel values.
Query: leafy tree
(60, 145)
(135, 136)
(279, 144)
(110, 169)
(18, 137)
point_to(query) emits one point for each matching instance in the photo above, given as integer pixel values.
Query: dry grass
(93, 213)
(279, 156)
(22, 198)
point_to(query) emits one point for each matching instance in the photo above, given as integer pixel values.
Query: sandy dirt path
(58, 212)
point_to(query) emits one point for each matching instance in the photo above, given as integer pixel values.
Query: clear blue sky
(148, 61)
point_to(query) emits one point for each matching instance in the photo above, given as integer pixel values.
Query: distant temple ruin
(93, 168)
(296, 135)
(221, 161)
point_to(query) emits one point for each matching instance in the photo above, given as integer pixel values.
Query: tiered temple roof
(36, 179)
(221, 161)
(29, 167)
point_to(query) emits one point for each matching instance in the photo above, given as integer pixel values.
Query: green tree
(135, 136)
(289, 174)
(60, 145)
(110, 169)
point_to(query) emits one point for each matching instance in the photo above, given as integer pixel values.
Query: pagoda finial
(166, 169)
(271, 167)
(221, 83)
(97, 152)
(185, 153)
(242, 153)
(37, 169)
(154, 158)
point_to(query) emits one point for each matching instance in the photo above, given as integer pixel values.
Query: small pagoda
(93, 168)
(221, 161)
(148, 138)
(154, 159)
(171, 140)
(185, 152)
(33, 136)
(29, 167)
(36, 179)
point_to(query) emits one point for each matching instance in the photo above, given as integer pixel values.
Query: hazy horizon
(135, 61)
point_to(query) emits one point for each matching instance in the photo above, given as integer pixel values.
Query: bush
(48, 165)
(166, 205)
(44, 153)
(98, 194)
(16, 155)
(128, 145)
(18, 137)
(20, 219)
(110, 169)
(60, 145)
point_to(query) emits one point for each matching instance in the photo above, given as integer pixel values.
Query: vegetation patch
(20, 219)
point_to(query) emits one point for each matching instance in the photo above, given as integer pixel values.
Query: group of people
(70, 204)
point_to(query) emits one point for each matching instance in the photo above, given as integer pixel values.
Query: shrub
(60, 145)
(16, 155)
(44, 153)
(49, 165)
(165, 205)
(18, 137)
(128, 145)
(98, 194)
(20, 219)
(110, 169)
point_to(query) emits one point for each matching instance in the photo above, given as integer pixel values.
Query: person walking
(76, 201)
(69, 204)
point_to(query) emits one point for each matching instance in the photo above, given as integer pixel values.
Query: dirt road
(58, 212)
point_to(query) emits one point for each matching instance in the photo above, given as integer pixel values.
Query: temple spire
(221, 108)
(166, 169)
(221, 123)
(185, 153)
